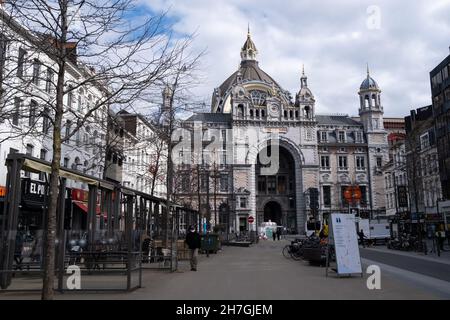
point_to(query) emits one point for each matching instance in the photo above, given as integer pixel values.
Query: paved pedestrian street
(259, 272)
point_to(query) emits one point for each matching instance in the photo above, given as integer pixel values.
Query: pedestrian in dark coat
(193, 241)
(362, 238)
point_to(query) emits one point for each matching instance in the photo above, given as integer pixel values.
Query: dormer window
(359, 137)
(341, 136)
(323, 136)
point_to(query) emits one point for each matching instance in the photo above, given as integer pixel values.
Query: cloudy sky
(334, 39)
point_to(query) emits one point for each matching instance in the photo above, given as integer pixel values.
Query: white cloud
(332, 40)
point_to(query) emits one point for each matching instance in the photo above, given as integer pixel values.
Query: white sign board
(343, 235)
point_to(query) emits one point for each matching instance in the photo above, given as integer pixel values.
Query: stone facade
(422, 162)
(267, 123)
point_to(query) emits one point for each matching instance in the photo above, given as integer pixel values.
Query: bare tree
(84, 44)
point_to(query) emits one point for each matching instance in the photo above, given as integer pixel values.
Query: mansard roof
(210, 117)
(343, 120)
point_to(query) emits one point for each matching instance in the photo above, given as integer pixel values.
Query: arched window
(94, 137)
(257, 113)
(258, 97)
(374, 100)
(285, 113)
(291, 114)
(296, 114)
(367, 102)
(76, 163)
(251, 113)
(80, 99)
(33, 112)
(307, 112)
(241, 110)
(263, 113)
(70, 97)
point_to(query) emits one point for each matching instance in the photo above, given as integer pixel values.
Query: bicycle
(293, 250)
(287, 251)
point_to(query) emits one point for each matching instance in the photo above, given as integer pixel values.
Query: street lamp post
(215, 176)
(444, 216)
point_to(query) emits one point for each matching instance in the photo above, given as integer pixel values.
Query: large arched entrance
(273, 212)
(276, 193)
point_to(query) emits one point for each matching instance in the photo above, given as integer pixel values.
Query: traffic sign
(251, 219)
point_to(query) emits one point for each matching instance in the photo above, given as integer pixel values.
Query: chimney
(71, 47)
(71, 51)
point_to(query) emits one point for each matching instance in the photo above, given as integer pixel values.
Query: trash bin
(210, 243)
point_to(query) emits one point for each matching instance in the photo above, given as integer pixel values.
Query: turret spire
(304, 78)
(249, 51)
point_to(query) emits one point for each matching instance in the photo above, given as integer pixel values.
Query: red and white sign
(251, 219)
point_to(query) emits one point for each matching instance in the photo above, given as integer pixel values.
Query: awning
(37, 167)
(84, 206)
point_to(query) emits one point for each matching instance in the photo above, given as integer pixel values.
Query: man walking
(278, 233)
(362, 237)
(194, 243)
(440, 238)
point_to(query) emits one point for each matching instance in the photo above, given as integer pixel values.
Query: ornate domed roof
(305, 93)
(369, 83)
(248, 71)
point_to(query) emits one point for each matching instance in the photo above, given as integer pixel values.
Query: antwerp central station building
(326, 153)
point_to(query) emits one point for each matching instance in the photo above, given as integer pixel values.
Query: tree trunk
(155, 173)
(49, 263)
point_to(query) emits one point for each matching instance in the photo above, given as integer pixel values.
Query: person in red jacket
(193, 241)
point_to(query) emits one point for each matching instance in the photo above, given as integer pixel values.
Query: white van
(375, 230)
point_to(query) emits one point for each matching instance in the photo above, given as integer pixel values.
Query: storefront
(444, 211)
(2, 202)
(406, 223)
(79, 209)
(433, 223)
